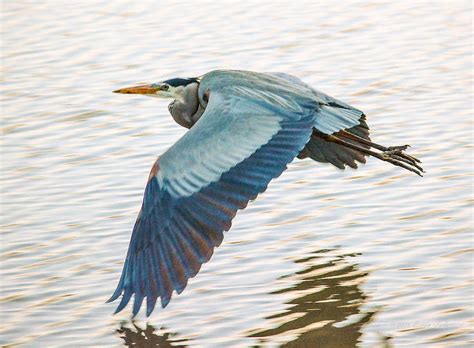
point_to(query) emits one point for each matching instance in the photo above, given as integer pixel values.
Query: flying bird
(244, 129)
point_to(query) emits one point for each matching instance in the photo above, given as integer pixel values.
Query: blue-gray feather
(253, 126)
(190, 230)
(332, 115)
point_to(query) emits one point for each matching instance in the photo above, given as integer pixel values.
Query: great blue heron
(244, 128)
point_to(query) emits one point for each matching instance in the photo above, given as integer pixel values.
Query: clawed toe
(398, 158)
(399, 148)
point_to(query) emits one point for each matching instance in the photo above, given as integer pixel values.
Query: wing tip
(165, 300)
(138, 302)
(123, 303)
(112, 298)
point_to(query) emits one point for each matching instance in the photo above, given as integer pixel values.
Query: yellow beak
(143, 89)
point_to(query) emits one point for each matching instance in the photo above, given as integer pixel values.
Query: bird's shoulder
(278, 92)
(228, 78)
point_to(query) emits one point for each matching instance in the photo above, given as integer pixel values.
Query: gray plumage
(244, 129)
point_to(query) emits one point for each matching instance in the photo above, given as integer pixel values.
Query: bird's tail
(339, 156)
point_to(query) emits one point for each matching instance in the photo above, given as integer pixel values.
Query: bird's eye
(165, 87)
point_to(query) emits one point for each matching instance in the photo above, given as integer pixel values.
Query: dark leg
(396, 150)
(392, 154)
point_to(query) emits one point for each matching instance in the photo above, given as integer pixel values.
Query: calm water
(373, 257)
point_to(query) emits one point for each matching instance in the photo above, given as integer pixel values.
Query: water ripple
(324, 258)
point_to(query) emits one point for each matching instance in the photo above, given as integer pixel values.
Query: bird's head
(173, 88)
(185, 108)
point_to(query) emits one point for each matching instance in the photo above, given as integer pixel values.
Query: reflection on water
(325, 309)
(148, 338)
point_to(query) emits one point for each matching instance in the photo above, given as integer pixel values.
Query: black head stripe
(180, 82)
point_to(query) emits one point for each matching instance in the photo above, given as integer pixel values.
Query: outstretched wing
(195, 189)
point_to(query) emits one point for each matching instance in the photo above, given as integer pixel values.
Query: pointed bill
(142, 89)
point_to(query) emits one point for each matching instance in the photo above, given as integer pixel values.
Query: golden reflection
(146, 338)
(326, 307)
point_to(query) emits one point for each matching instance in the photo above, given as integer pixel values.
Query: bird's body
(244, 128)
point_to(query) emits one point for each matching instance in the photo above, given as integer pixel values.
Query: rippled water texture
(323, 258)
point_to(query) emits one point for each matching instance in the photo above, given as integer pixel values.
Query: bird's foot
(391, 154)
(397, 156)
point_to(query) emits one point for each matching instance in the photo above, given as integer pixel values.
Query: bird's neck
(186, 109)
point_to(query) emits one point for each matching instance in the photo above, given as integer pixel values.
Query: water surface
(323, 258)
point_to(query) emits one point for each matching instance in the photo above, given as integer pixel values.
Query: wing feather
(253, 126)
(332, 115)
(195, 192)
